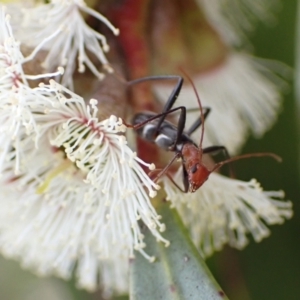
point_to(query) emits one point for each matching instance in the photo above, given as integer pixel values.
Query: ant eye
(194, 168)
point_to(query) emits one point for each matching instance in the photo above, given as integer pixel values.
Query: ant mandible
(154, 128)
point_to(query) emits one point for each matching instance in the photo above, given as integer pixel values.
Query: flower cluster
(73, 192)
(225, 210)
(63, 210)
(238, 17)
(59, 29)
(18, 125)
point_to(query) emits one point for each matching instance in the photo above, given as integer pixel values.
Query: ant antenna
(201, 109)
(259, 154)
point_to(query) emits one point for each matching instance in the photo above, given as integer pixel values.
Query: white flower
(243, 95)
(17, 98)
(113, 274)
(72, 191)
(67, 225)
(59, 28)
(81, 196)
(231, 18)
(225, 210)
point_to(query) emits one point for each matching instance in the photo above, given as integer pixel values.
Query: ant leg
(172, 98)
(162, 171)
(170, 178)
(217, 149)
(165, 169)
(185, 179)
(170, 102)
(196, 109)
(185, 190)
(141, 124)
(174, 94)
(198, 122)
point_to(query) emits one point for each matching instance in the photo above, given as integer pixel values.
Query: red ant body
(197, 173)
(154, 128)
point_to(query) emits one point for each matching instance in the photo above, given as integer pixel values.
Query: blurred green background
(268, 270)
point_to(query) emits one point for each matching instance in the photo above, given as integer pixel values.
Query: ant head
(197, 175)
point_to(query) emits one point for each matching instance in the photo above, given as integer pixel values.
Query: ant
(154, 128)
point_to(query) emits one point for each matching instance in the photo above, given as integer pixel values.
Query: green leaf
(178, 272)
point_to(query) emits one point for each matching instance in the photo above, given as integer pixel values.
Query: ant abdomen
(163, 136)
